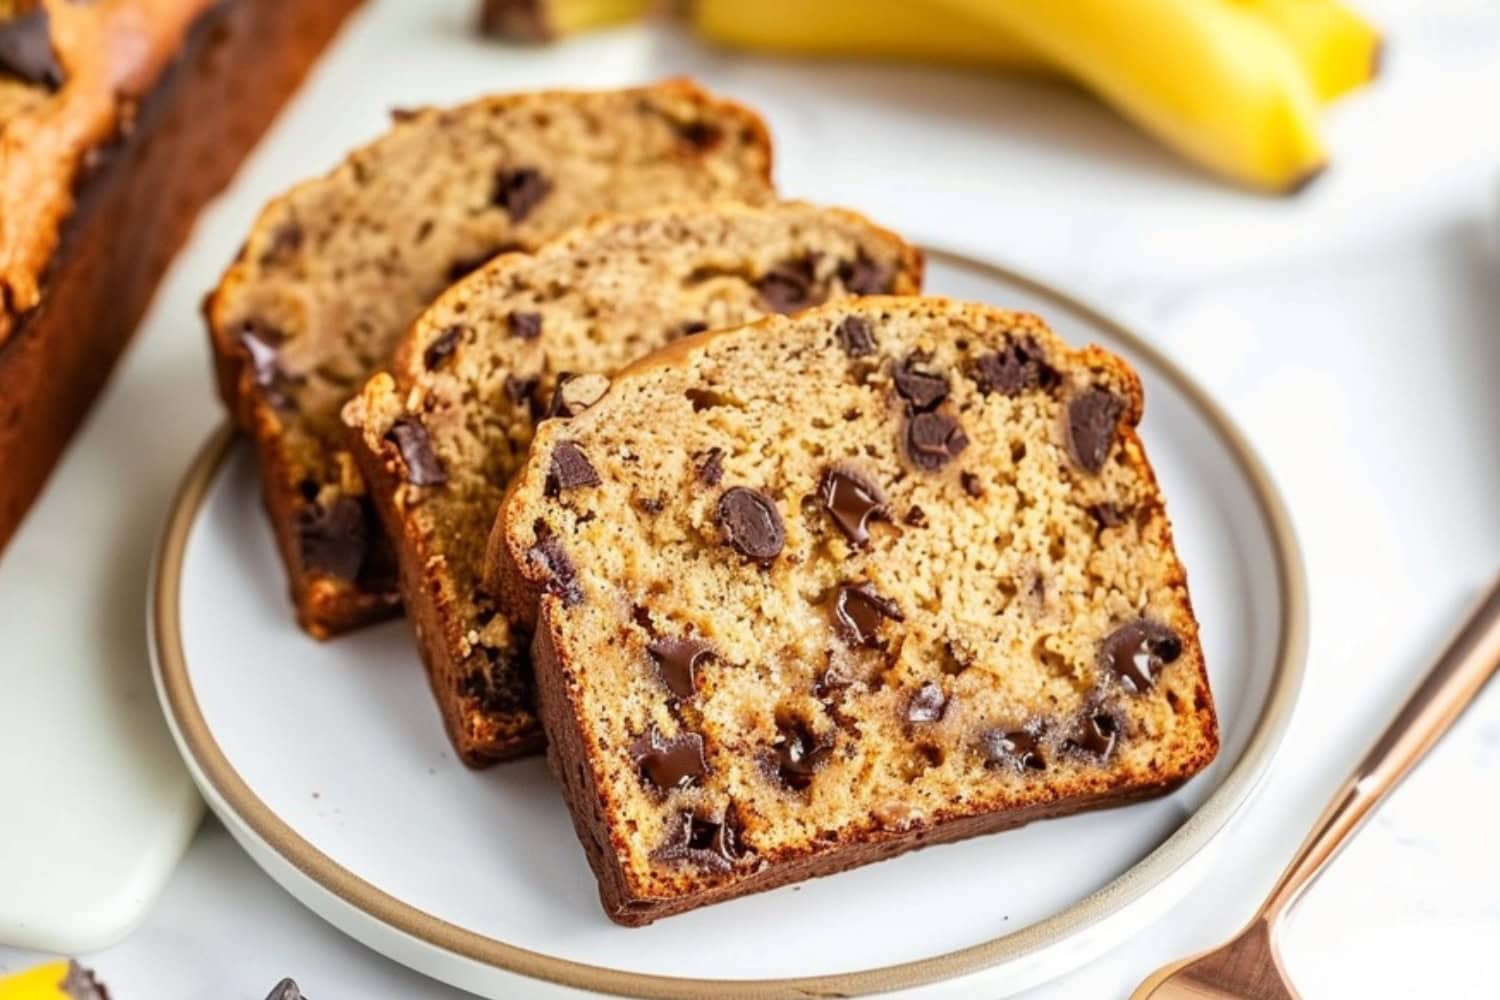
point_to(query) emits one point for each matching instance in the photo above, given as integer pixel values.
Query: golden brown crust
(188, 134)
(1035, 652)
(306, 472)
(601, 294)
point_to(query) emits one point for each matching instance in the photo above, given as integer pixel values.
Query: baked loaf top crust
(70, 75)
(439, 436)
(927, 589)
(336, 269)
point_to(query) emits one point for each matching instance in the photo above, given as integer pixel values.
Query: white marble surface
(1355, 335)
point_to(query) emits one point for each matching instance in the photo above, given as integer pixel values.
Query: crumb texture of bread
(530, 336)
(335, 270)
(928, 590)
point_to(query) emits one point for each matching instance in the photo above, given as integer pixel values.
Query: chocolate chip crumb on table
(336, 269)
(529, 338)
(894, 617)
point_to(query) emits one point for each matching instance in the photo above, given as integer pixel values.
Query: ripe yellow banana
(868, 29)
(1207, 77)
(548, 20)
(59, 980)
(1337, 48)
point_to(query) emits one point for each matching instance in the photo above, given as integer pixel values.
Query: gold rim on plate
(197, 742)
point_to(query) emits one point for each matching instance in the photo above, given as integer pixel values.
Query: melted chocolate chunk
(1015, 748)
(524, 390)
(711, 471)
(570, 469)
(442, 348)
(858, 613)
(285, 990)
(855, 336)
(333, 540)
(799, 755)
(916, 517)
(934, 439)
(26, 49)
(519, 191)
(709, 843)
(923, 390)
(1018, 368)
(525, 325)
(669, 764)
(691, 327)
(790, 286)
(1095, 734)
(676, 660)
(1107, 515)
(851, 501)
(575, 393)
(261, 343)
(928, 704)
(971, 484)
(751, 523)
(423, 468)
(1093, 416)
(549, 556)
(1136, 652)
(863, 276)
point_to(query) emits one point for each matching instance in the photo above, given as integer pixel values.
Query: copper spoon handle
(1439, 699)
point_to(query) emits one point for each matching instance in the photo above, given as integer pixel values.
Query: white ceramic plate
(328, 763)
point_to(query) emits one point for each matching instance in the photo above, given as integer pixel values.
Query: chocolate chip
(333, 539)
(851, 501)
(261, 342)
(523, 389)
(575, 393)
(519, 191)
(442, 348)
(500, 687)
(1018, 368)
(751, 523)
(284, 990)
(525, 325)
(711, 471)
(855, 336)
(1093, 416)
(26, 49)
(699, 134)
(799, 754)
(423, 468)
(789, 286)
(858, 612)
(669, 764)
(863, 276)
(691, 327)
(652, 505)
(922, 389)
(286, 239)
(549, 556)
(1107, 515)
(1137, 651)
(1015, 748)
(1095, 733)
(916, 517)
(927, 705)
(570, 469)
(676, 659)
(712, 844)
(971, 484)
(934, 439)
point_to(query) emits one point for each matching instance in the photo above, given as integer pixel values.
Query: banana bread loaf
(103, 107)
(524, 338)
(929, 591)
(336, 269)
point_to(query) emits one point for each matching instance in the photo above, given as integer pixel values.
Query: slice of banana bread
(336, 269)
(929, 591)
(523, 339)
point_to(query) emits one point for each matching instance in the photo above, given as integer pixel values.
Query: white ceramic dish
(327, 762)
